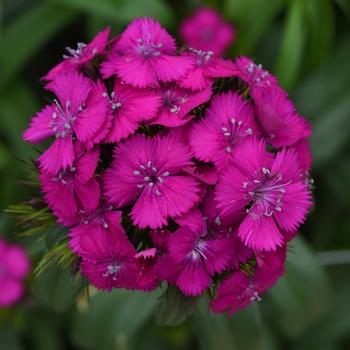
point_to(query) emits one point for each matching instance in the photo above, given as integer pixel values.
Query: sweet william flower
(280, 124)
(73, 189)
(78, 113)
(101, 218)
(229, 121)
(177, 102)
(144, 55)
(75, 58)
(254, 75)
(196, 255)
(147, 173)
(207, 31)
(269, 190)
(109, 260)
(147, 279)
(129, 107)
(238, 290)
(14, 266)
(206, 67)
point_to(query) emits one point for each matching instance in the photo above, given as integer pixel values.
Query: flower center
(266, 193)
(63, 119)
(257, 73)
(65, 176)
(112, 271)
(150, 176)
(115, 104)
(199, 251)
(77, 53)
(172, 101)
(97, 216)
(203, 57)
(146, 48)
(234, 132)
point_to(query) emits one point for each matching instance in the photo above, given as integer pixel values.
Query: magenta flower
(14, 266)
(177, 103)
(238, 290)
(206, 68)
(269, 190)
(129, 107)
(229, 121)
(197, 254)
(146, 54)
(109, 260)
(302, 149)
(80, 56)
(280, 123)
(102, 218)
(75, 188)
(147, 279)
(149, 171)
(79, 113)
(257, 78)
(207, 31)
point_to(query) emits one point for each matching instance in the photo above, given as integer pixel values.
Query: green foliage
(174, 307)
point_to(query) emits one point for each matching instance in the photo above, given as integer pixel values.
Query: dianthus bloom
(148, 172)
(76, 58)
(78, 113)
(14, 266)
(207, 31)
(268, 189)
(177, 167)
(145, 54)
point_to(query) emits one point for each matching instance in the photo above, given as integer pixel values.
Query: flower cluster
(14, 266)
(173, 166)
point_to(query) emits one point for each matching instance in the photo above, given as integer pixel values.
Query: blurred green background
(306, 43)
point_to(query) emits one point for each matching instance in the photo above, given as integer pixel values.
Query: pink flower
(229, 121)
(257, 78)
(206, 68)
(238, 290)
(75, 188)
(302, 149)
(207, 31)
(109, 260)
(81, 55)
(269, 190)
(177, 103)
(147, 279)
(149, 171)
(129, 107)
(79, 113)
(146, 54)
(14, 266)
(279, 122)
(101, 218)
(197, 254)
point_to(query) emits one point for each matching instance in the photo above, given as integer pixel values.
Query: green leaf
(123, 11)
(289, 60)
(110, 320)
(22, 39)
(213, 332)
(326, 85)
(174, 307)
(319, 19)
(253, 18)
(334, 121)
(303, 294)
(57, 288)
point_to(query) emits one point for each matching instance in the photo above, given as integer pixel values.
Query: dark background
(306, 43)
